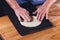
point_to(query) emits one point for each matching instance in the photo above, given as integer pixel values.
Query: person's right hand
(21, 12)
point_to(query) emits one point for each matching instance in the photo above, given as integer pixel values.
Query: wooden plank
(7, 30)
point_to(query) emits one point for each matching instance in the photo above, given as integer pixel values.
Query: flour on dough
(34, 23)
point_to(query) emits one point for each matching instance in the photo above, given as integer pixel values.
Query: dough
(34, 23)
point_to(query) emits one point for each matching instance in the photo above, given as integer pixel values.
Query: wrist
(16, 9)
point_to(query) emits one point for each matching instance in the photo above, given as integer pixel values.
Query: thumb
(35, 12)
(18, 17)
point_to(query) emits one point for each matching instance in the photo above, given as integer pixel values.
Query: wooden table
(8, 31)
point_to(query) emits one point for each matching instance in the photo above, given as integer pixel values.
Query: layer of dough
(34, 23)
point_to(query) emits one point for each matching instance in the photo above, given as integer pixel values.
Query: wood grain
(8, 31)
(55, 9)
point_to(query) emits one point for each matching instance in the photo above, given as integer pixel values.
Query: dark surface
(1, 9)
(0, 38)
(21, 29)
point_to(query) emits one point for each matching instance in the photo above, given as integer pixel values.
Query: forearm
(13, 4)
(49, 2)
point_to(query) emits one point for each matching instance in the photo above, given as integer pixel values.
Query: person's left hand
(41, 12)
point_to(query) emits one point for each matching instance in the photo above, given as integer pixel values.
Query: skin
(43, 10)
(21, 12)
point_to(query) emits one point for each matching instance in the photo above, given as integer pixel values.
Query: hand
(41, 12)
(22, 13)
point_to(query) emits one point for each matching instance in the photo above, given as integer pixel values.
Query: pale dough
(34, 23)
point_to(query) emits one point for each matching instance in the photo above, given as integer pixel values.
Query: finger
(43, 13)
(18, 17)
(27, 12)
(35, 12)
(39, 16)
(47, 15)
(26, 16)
(42, 17)
(23, 16)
